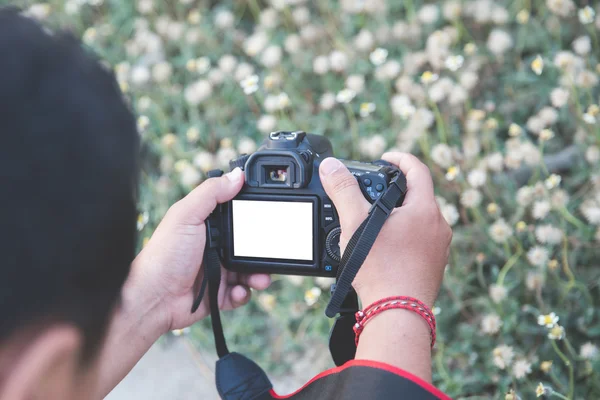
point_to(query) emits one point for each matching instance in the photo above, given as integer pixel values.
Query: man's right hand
(411, 251)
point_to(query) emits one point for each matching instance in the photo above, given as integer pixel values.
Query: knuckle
(343, 183)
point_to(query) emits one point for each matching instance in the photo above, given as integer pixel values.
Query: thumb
(197, 206)
(341, 186)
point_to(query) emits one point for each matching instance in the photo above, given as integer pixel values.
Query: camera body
(282, 221)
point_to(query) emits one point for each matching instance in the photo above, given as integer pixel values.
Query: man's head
(68, 179)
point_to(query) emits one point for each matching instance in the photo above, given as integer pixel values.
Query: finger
(197, 206)
(418, 177)
(255, 281)
(235, 296)
(341, 186)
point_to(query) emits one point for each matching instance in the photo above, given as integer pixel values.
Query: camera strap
(344, 299)
(237, 377)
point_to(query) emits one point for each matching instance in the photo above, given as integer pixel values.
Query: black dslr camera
(282, 221)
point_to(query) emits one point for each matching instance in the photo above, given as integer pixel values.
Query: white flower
(552, 181)
(373, 147)
(477, 178)
(338, 61)
(534, 280)
(470, 198)
(378, 56)
(582, 45)
(537, 65)
(197, 92)
(495, 162)
(591, 211)
(452, 10)
(592, 154)
(497, 293)
(450, 214)
(205, 161)
(586, 15)
(321, 65)
(561, 8)
(367, 109)
(140, 74)
(162, 71)
(243, 71)
(521, 368)
(548, 234)
(324, 283)
(345, 96)
(271, 57)
(224, 19)
(388, 71)
(500, 231)
(559, 97)
(266, 123)
(267, 301)
(268, 18)
(255, 43)
(311, 296)
(499, 42)
(189, 176)
(283, 101)
(490, 324)
(525, 196)
(429, 14)
(540, 209)
(250, 84)
(364, 41)
(588, 351)
(453, 63)
(292, 44)
(468, 80)
(202, 65)
(145, 6)
(327, 101)
(548, 320)
(589, 119)
(503, 356)
(355, 83)
(246, 146)
(557, 332)
(227, 63)
(401, 105)
(538, 256)
(441, 154)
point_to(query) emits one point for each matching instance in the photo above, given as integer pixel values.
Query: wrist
(143, 305)
(371, 294)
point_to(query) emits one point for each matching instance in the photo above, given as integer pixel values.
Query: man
(78, 309)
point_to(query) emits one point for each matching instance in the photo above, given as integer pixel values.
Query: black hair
(68, 183)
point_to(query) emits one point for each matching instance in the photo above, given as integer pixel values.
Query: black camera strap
(344, 299)
(237, 377)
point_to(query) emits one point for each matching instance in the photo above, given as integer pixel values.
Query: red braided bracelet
(397, 302)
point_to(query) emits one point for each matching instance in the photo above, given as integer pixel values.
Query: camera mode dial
(332, 244)
(239, 162)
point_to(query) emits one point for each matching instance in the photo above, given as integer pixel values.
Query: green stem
(441, 127)
(560, 396)
(509, 264)
(573, 220)
(569, 365)
(440, 364)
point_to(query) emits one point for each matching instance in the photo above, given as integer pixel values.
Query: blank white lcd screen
(273, 229)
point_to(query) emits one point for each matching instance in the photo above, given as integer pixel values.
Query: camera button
(327, 205)
(379, 187)
(367, 182)
(328, 217)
